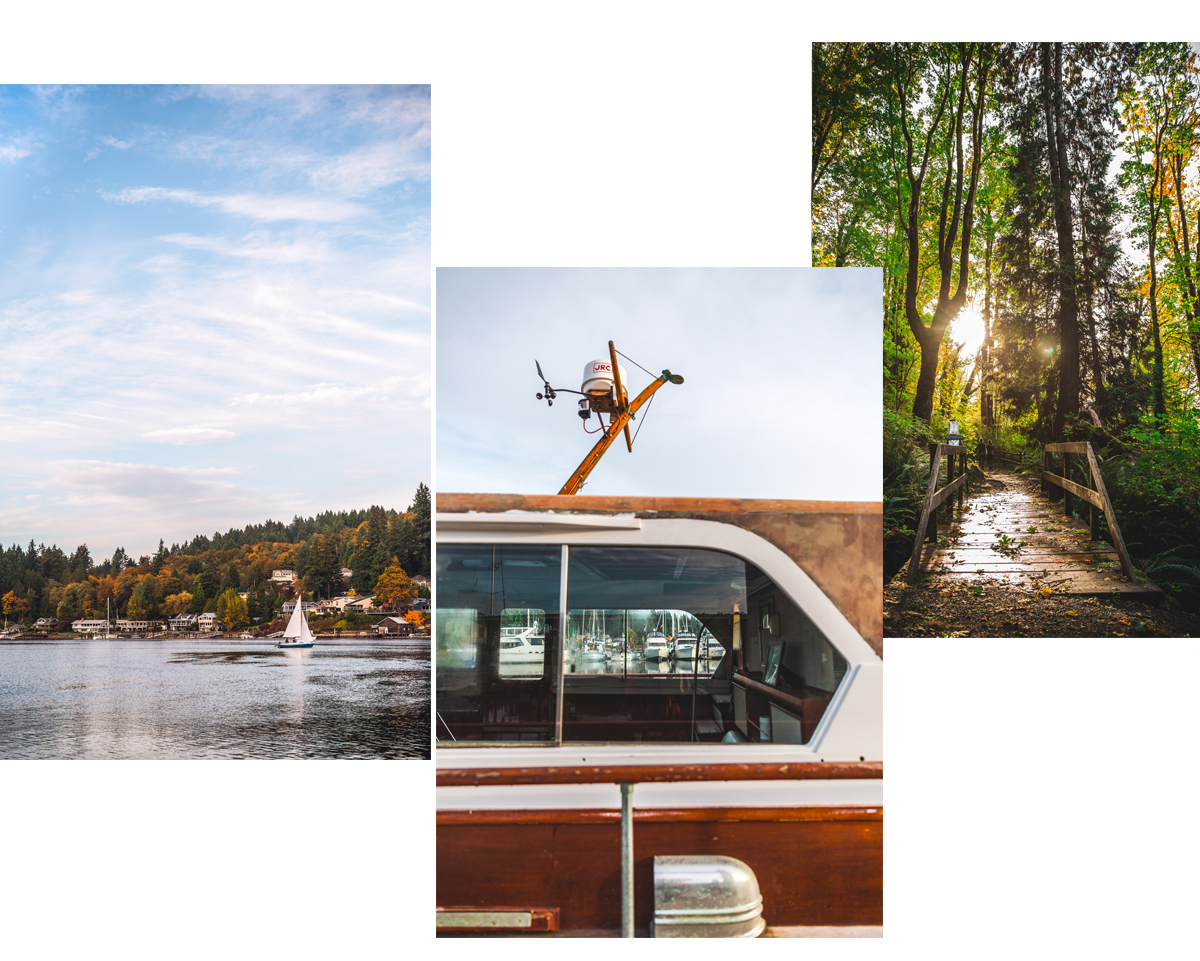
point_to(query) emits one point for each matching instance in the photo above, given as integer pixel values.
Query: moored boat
(657, 647)
(685, 646)
(521, 645)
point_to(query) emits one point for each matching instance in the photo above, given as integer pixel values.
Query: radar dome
(598, 377)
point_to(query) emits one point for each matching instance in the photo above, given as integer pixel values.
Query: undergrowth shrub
(905, 477)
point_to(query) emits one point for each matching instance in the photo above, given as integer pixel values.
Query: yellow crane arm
(575, 481)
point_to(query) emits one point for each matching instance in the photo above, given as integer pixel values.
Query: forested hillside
(1035, 210)
(41, 581)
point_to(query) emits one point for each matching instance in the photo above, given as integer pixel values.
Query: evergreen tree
(199, 598)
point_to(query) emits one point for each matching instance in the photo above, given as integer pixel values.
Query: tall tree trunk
(1060, 178)
(1089, 301)
(954, 213)
(985, 381)
(1191, 302)
(1160, 405)
(1194, 320)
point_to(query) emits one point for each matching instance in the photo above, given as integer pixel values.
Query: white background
(1040, 794)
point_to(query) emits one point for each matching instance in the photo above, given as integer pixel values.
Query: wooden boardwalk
(1011, 533)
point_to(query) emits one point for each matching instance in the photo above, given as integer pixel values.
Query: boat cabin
(635, 640)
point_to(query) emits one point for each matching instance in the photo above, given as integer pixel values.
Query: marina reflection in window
(675, 645)
(648, 638)
(639, 642)
(522, 642)
(497, 629)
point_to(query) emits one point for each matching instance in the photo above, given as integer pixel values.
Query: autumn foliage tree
(394, 588)
(231, 610)
(15, 607)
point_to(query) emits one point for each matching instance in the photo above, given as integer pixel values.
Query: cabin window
(496, 632)
(648, 652)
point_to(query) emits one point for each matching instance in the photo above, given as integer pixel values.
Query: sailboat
(297, 633)
(108, 635)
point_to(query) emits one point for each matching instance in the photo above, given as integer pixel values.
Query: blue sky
(781, 391)
(214, 308)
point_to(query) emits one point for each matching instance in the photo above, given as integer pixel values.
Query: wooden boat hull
(815, 865)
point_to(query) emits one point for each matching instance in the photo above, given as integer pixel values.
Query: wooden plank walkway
(1015, 536)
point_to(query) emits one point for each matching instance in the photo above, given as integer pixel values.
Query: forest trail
(1013, 535)
(1011, 565)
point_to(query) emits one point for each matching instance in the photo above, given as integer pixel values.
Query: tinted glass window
(497, 642)
(648, 631)
(678, 645)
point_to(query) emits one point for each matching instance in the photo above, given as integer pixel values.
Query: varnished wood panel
(642, 773)
(811, 872)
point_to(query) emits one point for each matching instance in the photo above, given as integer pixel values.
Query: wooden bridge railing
(1096, 495)
(956, 483)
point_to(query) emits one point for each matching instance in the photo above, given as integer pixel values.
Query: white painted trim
(532, 522)
(754, 794)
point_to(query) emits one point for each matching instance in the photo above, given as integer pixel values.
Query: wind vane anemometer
(603, 392)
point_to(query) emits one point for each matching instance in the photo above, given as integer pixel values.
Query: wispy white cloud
(336, 395)
(189, 435)
(94, 482)
(13, 151)
(119, 144)
(259, 245)
(254, 206)
(363, 171)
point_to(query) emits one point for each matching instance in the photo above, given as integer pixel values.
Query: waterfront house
(339, 603)
(209, 622)
(124, 624)
(13, 629)
(89, 625)
(47, 624)
(289, 606)
(183, 622)
(362, 605)
(394, 626)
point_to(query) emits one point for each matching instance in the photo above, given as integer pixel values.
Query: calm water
(198, 698)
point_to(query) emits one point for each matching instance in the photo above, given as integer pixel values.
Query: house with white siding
(289, 606)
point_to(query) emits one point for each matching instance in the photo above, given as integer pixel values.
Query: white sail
(297, 628)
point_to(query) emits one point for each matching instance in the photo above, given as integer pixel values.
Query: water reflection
(214, 698)
(636, 664)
